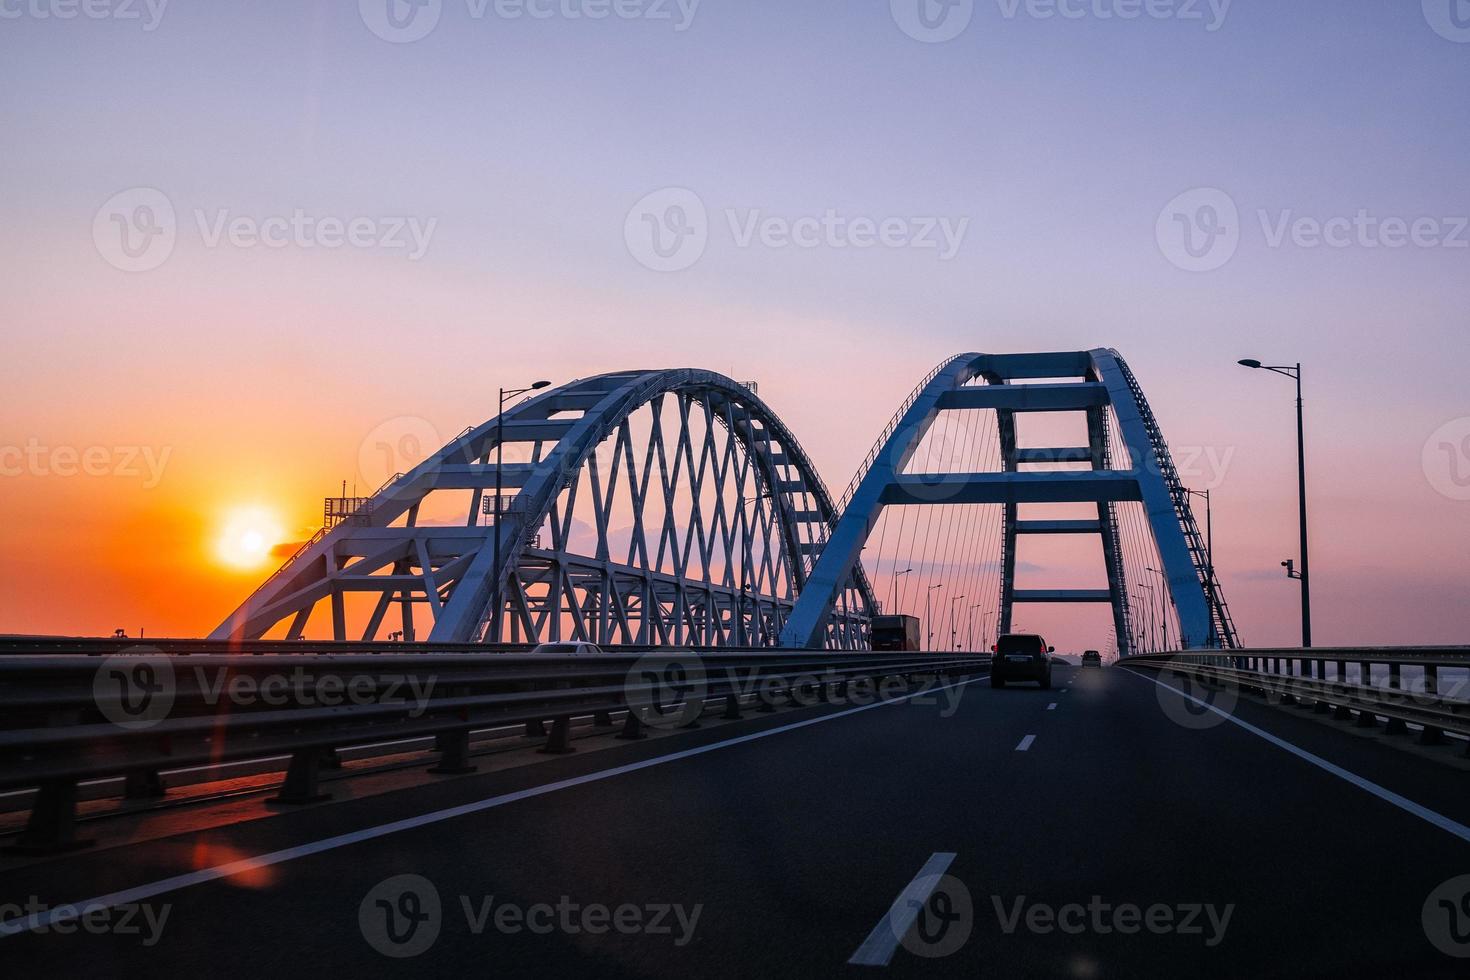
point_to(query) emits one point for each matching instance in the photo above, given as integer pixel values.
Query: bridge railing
(65, 718)
(1362, 684)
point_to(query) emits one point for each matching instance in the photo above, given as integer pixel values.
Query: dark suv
(1021, 657)
(1092, 659)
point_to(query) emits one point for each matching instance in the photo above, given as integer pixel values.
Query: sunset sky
(221, 392)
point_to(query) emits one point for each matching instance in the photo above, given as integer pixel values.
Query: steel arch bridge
(1125, 460)
(674, 507)
(642, 507)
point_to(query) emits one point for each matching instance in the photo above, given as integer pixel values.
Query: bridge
(368, 766)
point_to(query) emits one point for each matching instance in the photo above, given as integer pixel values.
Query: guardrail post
(602, 718)
(1432, 734)
(632, 727)
(535, 729)
(454, 754)
(52, 826)
(144, 784)
(302, 783)
(732, 707)
(560, 740)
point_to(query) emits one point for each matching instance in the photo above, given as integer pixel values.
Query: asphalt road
(1117, 834)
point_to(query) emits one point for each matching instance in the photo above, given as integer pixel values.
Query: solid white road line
(62, 913)
(1387, 795)
(882, 942)
(1025, 745)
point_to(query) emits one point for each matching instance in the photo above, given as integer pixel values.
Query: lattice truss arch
(1128, 463)
(646, 507)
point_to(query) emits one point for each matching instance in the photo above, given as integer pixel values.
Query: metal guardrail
(1298, 676)
(95, 709)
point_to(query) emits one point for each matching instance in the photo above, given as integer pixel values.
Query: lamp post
(499, 467)
(970, 627)
(1209, 555)
(953, 631)
(896, 577)
(1163, 609)
(1295, 373)
(929, 616)
(1148, 608)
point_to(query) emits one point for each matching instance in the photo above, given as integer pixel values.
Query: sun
(247, 535)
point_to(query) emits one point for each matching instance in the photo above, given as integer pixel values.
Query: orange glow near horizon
(247, 536)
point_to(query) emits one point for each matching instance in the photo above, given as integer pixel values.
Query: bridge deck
(794, 832)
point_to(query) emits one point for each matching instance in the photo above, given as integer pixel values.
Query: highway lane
(779, 855)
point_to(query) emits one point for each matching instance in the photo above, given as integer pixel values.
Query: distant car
(1021, 657)
(1091, 658)
(578, 647)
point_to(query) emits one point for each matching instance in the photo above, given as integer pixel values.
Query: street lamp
(929, 615)
(1148, 608)
(970, 627)
(1295, 373)
(953, 633)
(896, 577)
(499, 467)
(1209, 555)
(1163, 609)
